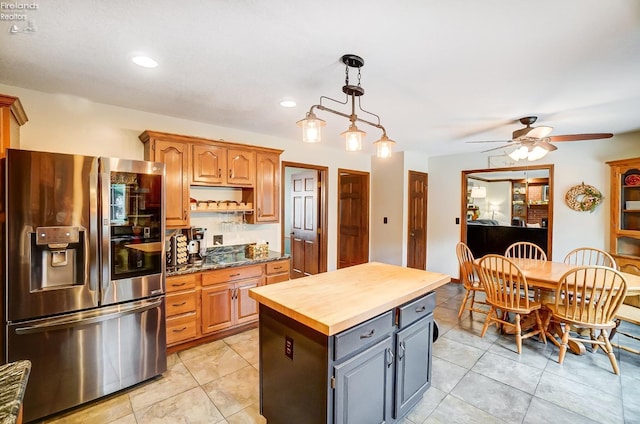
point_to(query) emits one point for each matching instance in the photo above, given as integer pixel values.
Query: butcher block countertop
(334, 301)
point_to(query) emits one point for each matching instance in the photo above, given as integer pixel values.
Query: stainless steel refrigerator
(82, 274)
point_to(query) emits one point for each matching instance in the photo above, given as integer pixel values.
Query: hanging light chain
(346, 75)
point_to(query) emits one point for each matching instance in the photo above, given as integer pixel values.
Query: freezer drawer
(83, 356)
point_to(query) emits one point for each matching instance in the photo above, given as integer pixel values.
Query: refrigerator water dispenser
(57, 255)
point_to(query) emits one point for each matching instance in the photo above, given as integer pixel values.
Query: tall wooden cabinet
(12, 116)
(267, 187)
(175, 155)
(625, 214)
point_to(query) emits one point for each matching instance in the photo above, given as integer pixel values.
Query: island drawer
(416, 309)
(180, 303)
(181, 328)
(181, 282)
(363, 335)
(231, 274)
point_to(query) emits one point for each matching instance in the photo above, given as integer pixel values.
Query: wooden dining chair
(470, 280)
(507, 290)
(590, 256)
(589, 297)
(525, 250)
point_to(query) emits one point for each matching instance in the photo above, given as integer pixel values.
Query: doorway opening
(304, 217)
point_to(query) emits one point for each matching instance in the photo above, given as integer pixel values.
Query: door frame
(323, 207)
(367, 205)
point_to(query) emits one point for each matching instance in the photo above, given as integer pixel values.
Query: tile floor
(475, 380)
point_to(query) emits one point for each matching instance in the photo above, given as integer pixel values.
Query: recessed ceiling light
(144, 61)
(288, 103)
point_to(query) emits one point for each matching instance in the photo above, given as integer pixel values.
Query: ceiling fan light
(536, 153)
(311, 128)
(384, 147)
(353, 138)
(519, 153)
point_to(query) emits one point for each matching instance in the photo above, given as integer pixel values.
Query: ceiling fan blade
(577, 137)
(490, 141)
(497, 148)
(546, 145)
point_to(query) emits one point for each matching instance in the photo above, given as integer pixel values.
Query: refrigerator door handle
(69, 322)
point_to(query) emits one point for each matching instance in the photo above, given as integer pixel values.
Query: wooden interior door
(305, 248)
(417, 229)
(353, 218)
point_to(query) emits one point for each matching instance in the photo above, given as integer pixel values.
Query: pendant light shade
(353, 138)
(384, 147)
(311, 128)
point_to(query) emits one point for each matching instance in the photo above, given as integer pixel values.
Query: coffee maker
(196, 247)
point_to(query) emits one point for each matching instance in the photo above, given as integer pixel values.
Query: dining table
(546, 275)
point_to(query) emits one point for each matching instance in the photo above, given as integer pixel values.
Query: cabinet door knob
(219, 172)
(402, 351)
(230, 173)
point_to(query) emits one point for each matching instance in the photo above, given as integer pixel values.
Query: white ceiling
(438, 73)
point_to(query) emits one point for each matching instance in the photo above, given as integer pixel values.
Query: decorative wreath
(583, 198)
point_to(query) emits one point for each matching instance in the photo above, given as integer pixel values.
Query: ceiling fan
(535, 142)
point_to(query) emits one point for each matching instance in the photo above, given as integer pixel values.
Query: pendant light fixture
(312, 125)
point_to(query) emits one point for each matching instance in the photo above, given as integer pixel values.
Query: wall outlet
(217, 240)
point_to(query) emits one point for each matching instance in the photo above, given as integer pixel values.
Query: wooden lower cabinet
(217, 307)
(226, 305)
(202, 304)
(277, 271)
(225, 297)
(182, 308)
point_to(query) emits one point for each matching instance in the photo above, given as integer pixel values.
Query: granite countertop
(226, 259)
(13, 383)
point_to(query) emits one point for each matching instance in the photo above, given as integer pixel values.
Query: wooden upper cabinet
(12, 116)
(208, 165)
(215, 163)
(242, 167)
(175, 156)
(267, 187)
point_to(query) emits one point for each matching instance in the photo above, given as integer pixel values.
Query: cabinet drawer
(277, 267)
(363, 335)
(277, 278)
(180, 303)
(181, 282)
(231, 274)
(414, 310)
(181, 328)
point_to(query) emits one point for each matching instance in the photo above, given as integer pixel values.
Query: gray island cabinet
(347, 346)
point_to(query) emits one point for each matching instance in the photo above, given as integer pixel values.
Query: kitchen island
(347, 346)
